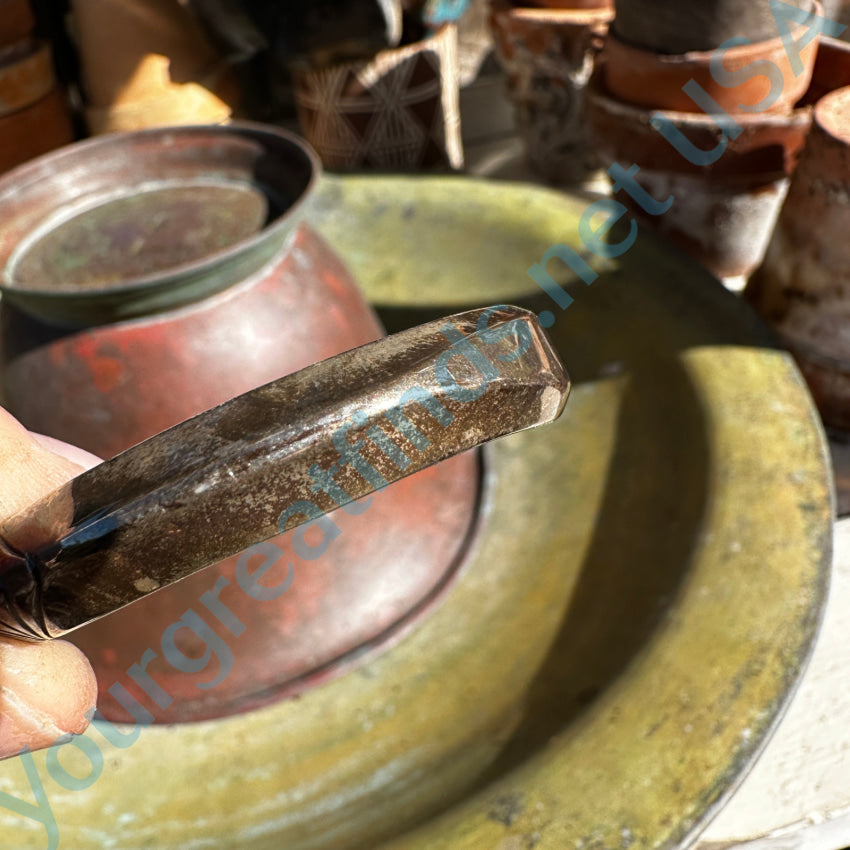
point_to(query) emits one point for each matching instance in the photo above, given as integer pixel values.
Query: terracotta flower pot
(26, 75)
(168, 276)
(398, 110)
(16, 21)
(646, 78)
(548, 56)
(724, 211)
(34, 130)
(673, 26)
(803, 286)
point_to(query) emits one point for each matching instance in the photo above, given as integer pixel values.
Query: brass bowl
(640, 597)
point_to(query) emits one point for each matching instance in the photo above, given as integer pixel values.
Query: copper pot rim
(16, 181)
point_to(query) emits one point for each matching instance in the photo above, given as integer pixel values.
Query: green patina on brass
(639, 601)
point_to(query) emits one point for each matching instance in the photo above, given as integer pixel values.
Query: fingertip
(47, 691)
(28, 469)
(82, 458)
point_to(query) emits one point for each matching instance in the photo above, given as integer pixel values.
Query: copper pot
(170, 274)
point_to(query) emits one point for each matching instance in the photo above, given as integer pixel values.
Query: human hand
(46, 688)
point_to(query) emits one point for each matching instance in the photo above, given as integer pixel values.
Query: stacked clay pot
(803, 285)
(547, 49)
(34, 116)
(725, 207)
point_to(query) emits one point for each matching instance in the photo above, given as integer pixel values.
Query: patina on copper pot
(150, 276)
(803, 285)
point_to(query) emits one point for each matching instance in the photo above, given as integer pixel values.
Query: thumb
(46, 688)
